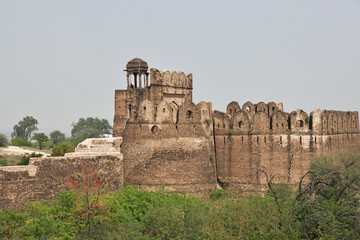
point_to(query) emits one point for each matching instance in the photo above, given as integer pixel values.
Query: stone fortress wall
(163, 139)
(263, 136)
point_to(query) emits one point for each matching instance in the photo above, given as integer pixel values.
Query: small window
(240, 124)
(223, 125)
(155, 130)
(144, 108)
(300, 123)
(189, 115)
(257, 140)
(280, 140)
(163, 110)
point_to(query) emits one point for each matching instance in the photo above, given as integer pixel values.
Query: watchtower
(137, 72)
(173, 87)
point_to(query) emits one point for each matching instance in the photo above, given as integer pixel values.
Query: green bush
(3, 162)
(3, 140)
(61, 149)
(20, 141)
(26, 157)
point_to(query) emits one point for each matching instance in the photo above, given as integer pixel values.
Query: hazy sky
(62, 60)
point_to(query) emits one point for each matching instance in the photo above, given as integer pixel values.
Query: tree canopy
(40, 137)
(57, 137)
(25, 127)
(3, 140)
(90, 128)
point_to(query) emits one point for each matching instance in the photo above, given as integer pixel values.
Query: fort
(163, 139)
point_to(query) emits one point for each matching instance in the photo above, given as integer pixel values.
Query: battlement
(265, 118)
(170, 78)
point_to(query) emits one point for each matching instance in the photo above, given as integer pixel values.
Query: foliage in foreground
(326, 206)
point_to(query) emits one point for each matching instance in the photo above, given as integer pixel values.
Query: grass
(13, 159)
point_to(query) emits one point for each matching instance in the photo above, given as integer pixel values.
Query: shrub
(25, 159)
(3, 162)
(20, 141)
(3, 140)
(61, 149)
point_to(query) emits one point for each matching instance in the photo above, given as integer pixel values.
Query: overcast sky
(62, 60)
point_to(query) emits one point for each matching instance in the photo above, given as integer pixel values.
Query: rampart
(262, 136)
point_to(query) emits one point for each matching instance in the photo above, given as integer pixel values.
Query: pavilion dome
(137, 65)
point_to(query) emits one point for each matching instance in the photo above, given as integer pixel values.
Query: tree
(327, 202)
(25, 127)
(40, 137)
(3, 140)
(90, 128)
(89, 185)
(57, 136)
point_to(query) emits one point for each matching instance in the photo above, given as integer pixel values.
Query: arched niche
(249, 108)
(299, 121)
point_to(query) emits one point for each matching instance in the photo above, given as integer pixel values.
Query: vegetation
(325, 206)
(25, 128)
(26, 157)
(57, 137)
(3, 162)
(3, 140)
(40, 138)
(20, 141)
(61, 149)
(90, 128)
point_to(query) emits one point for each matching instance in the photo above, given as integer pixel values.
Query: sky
(63, 60)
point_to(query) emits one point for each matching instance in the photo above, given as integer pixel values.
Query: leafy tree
(61, 149)
(90, 128)
(20, 141)
(40, 137)
(25, 127)
(57, 136)
(3, 140)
